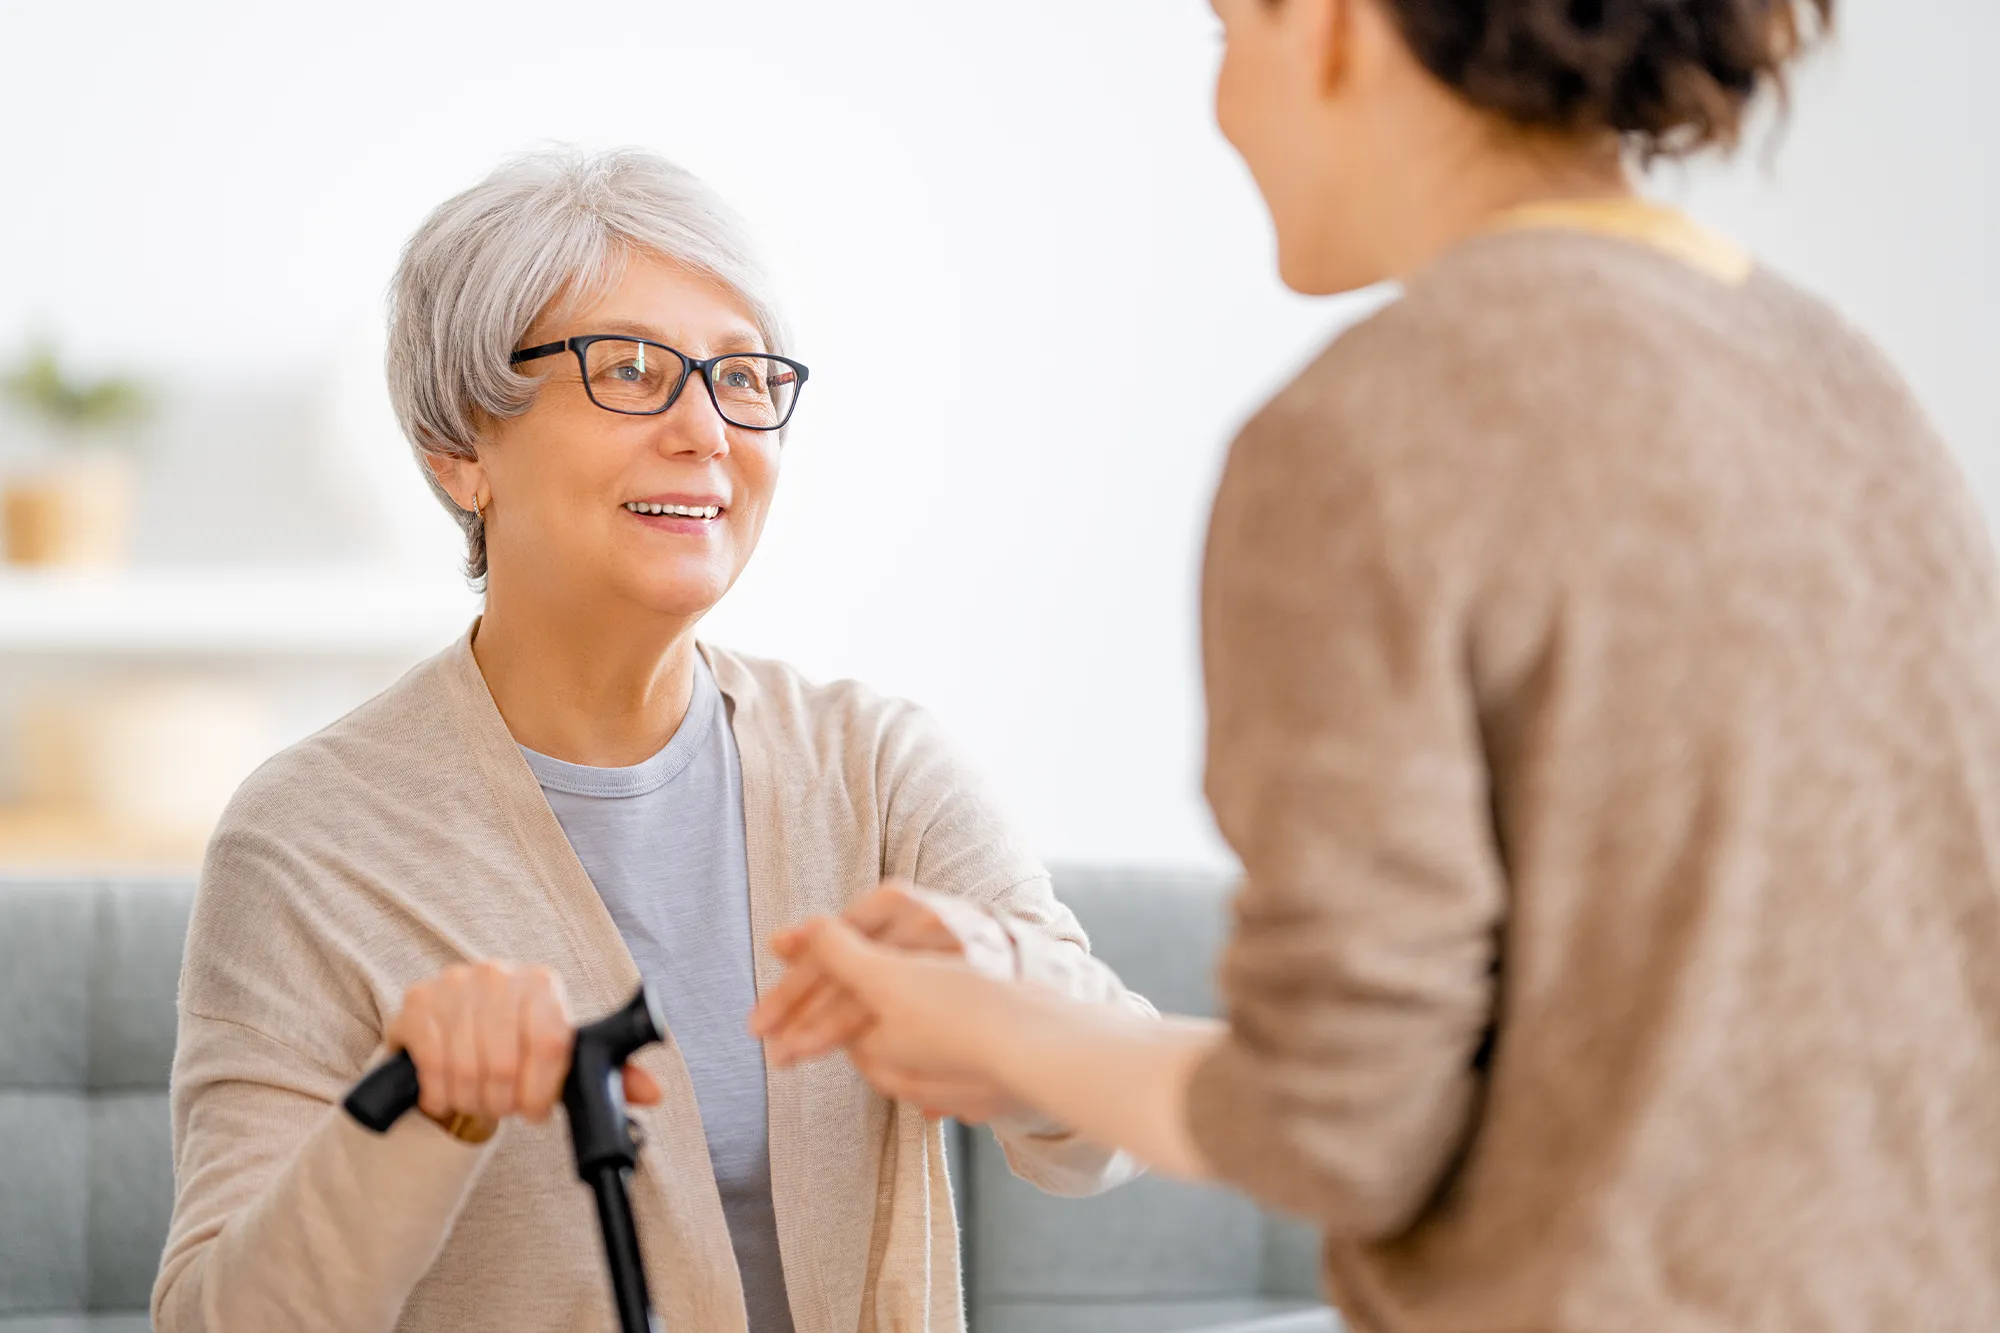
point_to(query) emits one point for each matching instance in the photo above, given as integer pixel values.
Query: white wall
(215, 190)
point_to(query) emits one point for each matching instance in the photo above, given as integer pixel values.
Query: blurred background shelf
(235, 613)
(134, 700)
(66, 841)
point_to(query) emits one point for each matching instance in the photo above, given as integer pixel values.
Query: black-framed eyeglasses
(642, 378)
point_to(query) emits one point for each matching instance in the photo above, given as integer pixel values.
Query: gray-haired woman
(574, 796)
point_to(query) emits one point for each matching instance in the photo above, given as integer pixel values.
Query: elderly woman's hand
(810, 1014)
(492, 1039)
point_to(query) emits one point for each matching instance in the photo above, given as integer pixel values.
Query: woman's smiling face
(572, 485)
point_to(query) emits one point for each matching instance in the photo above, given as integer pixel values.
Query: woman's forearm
(1117, 1078)
(332, 1242)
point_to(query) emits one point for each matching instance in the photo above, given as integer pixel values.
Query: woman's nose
(692, 426)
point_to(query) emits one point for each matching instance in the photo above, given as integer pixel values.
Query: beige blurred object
(65, 842)
(156, 757)
(74, 512)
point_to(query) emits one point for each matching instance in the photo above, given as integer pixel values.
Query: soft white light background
(1029, 198)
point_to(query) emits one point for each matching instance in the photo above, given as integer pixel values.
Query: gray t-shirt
(663, 843)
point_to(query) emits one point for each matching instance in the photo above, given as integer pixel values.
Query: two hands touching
(899, 981)
(925, 994)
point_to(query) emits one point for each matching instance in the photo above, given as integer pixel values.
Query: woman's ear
(464, 479)
(1330, 34)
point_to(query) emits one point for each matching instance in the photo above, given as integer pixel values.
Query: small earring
(478, 513)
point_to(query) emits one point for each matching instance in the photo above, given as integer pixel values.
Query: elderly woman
(575, 796)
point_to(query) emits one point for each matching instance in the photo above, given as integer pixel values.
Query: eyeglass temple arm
(531, 353)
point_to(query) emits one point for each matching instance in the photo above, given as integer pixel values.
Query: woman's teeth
(678, 511)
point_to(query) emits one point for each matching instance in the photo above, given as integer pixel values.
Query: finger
(418, 1033)
(929, 921)
(641, 1089)
(919, 927)
(854, 962)
(791, 942)
(782, 1001)
(499, 1042)
(878, 909)
(524, 1049)
(810, 1009)
(549, 1041)
(461, 1035)
(835, 1018)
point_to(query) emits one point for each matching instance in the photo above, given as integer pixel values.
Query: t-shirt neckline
(648, 775)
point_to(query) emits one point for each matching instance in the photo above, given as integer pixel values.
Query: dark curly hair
(1668, 76)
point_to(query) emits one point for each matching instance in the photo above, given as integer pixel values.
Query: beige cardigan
(411, 835)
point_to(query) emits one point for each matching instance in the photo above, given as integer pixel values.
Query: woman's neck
(1440, 173)
(1453, 205)
(583, 685)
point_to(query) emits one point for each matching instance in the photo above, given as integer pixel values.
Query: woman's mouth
(678, 518)
(700, 512)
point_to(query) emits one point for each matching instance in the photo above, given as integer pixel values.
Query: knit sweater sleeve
(287, 1214)
(1345, 767)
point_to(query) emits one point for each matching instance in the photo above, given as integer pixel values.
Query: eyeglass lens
(637, 377)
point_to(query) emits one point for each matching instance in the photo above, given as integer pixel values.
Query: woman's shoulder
(788, 709)
(396, 750)
(941, 820)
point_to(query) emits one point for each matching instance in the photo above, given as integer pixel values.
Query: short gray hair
(548, 225)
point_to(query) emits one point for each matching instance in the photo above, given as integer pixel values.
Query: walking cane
(594, 1096)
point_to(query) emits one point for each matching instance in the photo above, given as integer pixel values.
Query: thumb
(848, 957)
(788, 944)
(640, 1089)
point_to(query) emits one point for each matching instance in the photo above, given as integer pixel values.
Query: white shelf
(199, 612)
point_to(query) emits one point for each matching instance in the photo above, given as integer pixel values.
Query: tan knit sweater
(1604, 672)
(411, 835)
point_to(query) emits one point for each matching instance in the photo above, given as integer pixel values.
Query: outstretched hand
(941, 1034)
(805, 1016)
(906, 1014)
(919, 1005)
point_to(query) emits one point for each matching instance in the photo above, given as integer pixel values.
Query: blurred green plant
(76, 408)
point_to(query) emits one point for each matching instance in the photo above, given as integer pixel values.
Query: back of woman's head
(1668, 76)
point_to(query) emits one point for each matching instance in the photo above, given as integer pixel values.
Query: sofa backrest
(1155, 1255)
(88, 970)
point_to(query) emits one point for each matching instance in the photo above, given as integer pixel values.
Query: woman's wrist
(1007, 1024)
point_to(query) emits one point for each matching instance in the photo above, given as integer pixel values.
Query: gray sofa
(87, 976)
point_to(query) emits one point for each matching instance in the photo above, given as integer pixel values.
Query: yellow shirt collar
(1665, 229)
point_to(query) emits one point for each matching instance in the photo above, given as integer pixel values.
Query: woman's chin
(682, 594)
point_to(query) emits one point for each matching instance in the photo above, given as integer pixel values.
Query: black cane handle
(384, 1093)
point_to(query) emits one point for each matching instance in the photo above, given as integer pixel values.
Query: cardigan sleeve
(287, 1214)
(939, 804)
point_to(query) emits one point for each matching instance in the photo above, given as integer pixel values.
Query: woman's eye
(628, 373)
(739, 379)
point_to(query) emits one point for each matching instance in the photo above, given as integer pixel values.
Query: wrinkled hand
(810, 1013)
(491, 1040)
